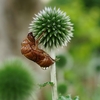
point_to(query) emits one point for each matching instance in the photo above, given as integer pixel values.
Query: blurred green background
(78, 70)
(81, 72)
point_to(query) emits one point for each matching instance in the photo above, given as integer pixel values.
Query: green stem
(53, 79)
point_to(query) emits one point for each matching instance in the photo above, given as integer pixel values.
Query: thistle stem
(53, 79)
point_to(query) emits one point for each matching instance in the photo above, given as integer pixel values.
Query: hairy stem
(53, 79)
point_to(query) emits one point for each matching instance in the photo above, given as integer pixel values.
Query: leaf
(76, 98)
(67, 98)
(45, 84)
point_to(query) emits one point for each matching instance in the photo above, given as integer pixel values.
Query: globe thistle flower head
(55, 25)
(16, 81)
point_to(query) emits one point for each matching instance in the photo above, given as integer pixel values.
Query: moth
(30, 49)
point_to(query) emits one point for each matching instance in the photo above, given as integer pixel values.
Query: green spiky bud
(62, 61)
(62, 88)
(55, 25)
(16, 81)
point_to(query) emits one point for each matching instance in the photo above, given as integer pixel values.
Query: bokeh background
(78, 70)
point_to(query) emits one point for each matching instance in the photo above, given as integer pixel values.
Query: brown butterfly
(31, 51)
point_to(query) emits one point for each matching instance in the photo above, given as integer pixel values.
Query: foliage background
(79, 71)
(83, 74)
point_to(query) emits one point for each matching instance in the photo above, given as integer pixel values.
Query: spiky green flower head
(55, 25)
(16, 81)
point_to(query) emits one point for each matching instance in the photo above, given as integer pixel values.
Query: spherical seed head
(16, 81)
(55, 25)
